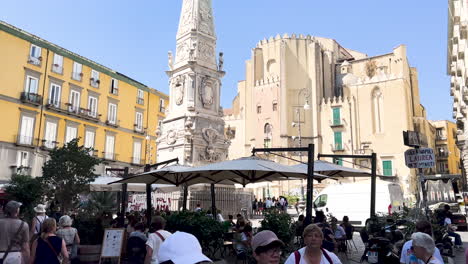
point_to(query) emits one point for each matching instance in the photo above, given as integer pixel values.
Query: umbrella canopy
(239, 171)
(101, 184)
(332, 169)
(245, 170)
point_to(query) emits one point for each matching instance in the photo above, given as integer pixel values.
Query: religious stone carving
(220, 61)
(182, 51)
(210, 135)
(186, 17)
(178, 84)
(207, 92)
(171, 137)
(371, 68)
(205, 18)
(170, 62)
(206, 51)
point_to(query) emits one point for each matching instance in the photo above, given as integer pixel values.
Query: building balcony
(440, 138)
(137, 161)
(442, 155)
(139, 129)
(140, 101)
(31, 98)
(338, 147)
(110, 156)
(77, 76)
(337, 123)
(49, 145)
(70, 109)
(94, 83)
(114, 123)
(114, 90)
(57, 68)
(35, 60)
(443, 172)
(24, 140)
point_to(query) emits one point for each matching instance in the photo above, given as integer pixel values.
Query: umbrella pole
(184, 201)
(149, 208)
(373, 184)
(213, 201)
(310, 183)
(124, 195)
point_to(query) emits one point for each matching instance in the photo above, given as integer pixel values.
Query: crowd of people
(46, 240)
(259, 205)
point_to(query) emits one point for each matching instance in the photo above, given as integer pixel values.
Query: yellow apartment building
(49, 96)
(446, 151)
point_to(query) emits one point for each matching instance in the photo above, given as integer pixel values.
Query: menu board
(112, 243)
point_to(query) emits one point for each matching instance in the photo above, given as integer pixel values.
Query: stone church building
(301, 89)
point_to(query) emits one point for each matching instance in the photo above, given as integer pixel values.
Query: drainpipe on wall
(43, 97)
(351, 128)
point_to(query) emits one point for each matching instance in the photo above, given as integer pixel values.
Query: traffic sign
(421, 158)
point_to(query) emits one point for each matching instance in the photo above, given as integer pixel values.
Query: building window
(267, 143)
(439, 133)
(31, 85)
(259, 109)
(114, 86)
(162, 104)
(336, 116)
(35, 55)
(275, 106)
(267, 131)
(50, 135)
(77, 73)
(22, 159)
(57, 67)
(26, 131)
(71, 133)
(74, 103)
(54, 95)
(94, 80)
(112, 114)
(136, 152)
(109, 153)
(442, 167)
(338, 161)
(140, 97)
(89, 140)
(387, 168)
(377, 102)
(138, 121)
(92, 106)
(338, 141)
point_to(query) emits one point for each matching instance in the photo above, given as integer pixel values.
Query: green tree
(27, 190)
(68, 173)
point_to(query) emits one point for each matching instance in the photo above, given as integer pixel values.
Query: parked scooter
(446, 247)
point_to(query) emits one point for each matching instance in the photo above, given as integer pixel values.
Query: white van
(353, 200)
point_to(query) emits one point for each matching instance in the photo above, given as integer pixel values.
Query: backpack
(297, 256)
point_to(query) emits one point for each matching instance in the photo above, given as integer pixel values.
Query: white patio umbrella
(332, 169)
(101, 184)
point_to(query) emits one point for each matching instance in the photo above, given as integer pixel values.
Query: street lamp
(306, 106)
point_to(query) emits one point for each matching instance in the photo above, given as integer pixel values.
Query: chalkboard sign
(112, 243)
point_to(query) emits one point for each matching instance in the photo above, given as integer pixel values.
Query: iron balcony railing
(31, 98)
(25, 140)
(74, 110)
(109, 156)
(137, 161)
(49, 144)
(35, 60)
(77, 76)
(94, 83)
(140, 101)
(113, 123)
(57, 68)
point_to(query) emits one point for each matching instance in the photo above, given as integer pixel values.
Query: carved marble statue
(220, 61)
(170, 62)
(207, 92)
(179, 88)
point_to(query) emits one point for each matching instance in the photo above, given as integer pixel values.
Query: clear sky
(133, 37)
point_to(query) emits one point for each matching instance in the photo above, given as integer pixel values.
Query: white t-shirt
(292, 258)
(407, 256)
(154, 242)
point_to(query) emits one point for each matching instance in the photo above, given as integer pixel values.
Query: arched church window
(377, 109)
(267, 131)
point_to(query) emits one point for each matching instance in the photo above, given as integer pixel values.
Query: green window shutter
(338, 161)
(338, 141)
(336, 116)
(387, 168)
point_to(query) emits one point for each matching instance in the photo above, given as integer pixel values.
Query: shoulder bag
(10, 245)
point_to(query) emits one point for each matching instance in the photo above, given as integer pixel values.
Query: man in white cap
(266, 247)
(37, 221)
(14, 236)
(181, 248)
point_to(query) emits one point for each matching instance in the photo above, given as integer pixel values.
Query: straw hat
(40, 208)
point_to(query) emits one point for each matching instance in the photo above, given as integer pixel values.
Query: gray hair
(423, 240)
(65, 221)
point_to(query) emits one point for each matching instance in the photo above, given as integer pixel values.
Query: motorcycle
(446, 247)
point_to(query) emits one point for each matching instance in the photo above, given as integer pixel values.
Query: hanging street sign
(421, 158)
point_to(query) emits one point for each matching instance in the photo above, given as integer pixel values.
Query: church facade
(301, 89)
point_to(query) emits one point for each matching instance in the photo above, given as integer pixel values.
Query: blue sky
(133, 37)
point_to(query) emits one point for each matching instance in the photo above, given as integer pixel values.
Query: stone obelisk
(193, 129)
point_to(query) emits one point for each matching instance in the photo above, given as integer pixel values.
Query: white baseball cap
(181, 248)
